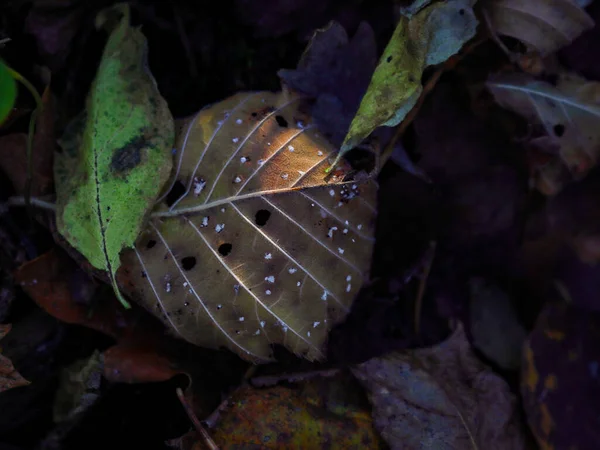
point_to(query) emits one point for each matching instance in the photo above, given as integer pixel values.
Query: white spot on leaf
(268, 256)
(219, 227)
(270, 279)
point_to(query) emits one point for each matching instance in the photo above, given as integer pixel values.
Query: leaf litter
(226, 248)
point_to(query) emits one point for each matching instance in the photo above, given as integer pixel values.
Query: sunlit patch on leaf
(258, 247)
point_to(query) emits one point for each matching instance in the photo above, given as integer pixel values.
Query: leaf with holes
(105, 190)
(543, 25)
(255, 245)
(568, 118)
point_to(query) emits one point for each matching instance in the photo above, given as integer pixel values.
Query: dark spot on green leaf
(128, 156)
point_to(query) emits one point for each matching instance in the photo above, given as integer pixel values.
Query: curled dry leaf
(568, 115)
(9, 377)
(543, 25)
(255, 245)
(441, 397)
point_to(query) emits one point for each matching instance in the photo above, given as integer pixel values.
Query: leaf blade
(105, 192)
(272, 283)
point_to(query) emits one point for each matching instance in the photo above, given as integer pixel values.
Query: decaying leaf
(495, 326)
(428, 38)
(106, 188)
(441, 397)
(568, 115)
(319, 413)
(543, 25)
(255, 245)
(9, 377)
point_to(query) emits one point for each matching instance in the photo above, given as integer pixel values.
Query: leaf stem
(34, 201)
(32, 122)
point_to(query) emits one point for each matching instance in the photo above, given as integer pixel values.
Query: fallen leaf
(13, 152)
(567, 114)
(63, 290)
(79, 388)
(320, 413)
(430, 37)
(441, 397)
(543, 25)
(8, 91)
(255, 245)
(9, 377)
(335, 70)
(105, 190)
(495, 326)
(560, 378)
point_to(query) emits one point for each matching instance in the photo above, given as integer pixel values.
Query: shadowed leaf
(544, 25)
(9, 377)
(441, 397)
(567, 115)
(254, 245)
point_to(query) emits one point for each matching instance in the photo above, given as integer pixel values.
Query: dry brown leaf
(255, 245)
(543, 25)
(9, 377)
(441, 397)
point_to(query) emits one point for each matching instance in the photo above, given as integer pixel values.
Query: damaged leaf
(441, 397)
(428, 38)
(542, 25)
(254, 245)
(9, 377)
(105, 190)
(567, 116)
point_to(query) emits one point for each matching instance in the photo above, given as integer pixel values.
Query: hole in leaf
(261, 217)
(559, 129)
(461, 12)
(281, 121)
(389, 58)
(188, 263)
(176, 191)
(225, 249)
(151, 243)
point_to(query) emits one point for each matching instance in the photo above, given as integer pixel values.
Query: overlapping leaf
(428, 38)
(255, 245)
(569, 115)
(441, 397)
(106, 187)
(543, 25)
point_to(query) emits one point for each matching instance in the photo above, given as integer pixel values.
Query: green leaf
(430, 37)
(8, 91)
(106, 189)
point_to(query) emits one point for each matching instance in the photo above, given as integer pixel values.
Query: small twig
(32, 122)
(34, 201)
(197, 425)
(5, 41)
(430, 254)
